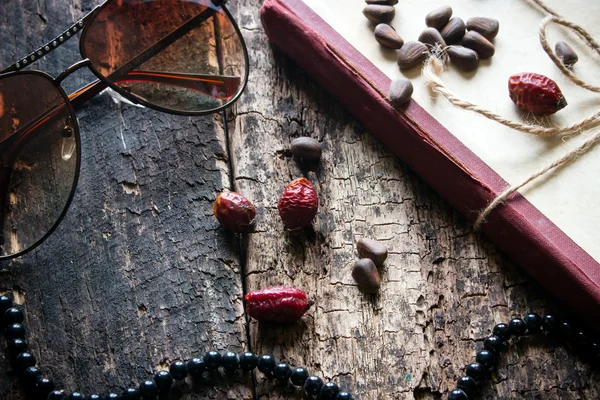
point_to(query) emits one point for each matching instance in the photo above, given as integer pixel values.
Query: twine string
(434, 69)
(432, 74)
(592, 44)
(565, 160)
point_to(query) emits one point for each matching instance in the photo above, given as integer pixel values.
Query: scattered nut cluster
(372, 255)
(465, 44)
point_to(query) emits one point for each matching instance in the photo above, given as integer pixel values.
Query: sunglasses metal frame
(87, 92)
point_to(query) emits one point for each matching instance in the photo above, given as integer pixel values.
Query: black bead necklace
(42, 388)
(39, 387)
(532, 323)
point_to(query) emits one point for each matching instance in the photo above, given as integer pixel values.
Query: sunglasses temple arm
(90, 90)
(86, 93)
(4, 179)
(51, 45)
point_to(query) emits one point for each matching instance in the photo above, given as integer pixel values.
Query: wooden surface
(139, 273)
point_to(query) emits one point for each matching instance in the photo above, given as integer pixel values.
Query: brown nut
(454, 30)
(487, 27)
(382, 2)
(483, 47)
(566, 53)
(411, 54)
(388, 37)
(372, 249)
(465, 59)
(401, 91)
(366, 275)
(306, 148)
(378, 13)
(432, 37)
(439, 17)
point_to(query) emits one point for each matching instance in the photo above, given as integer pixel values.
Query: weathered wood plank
(139, 273)
(443, 287)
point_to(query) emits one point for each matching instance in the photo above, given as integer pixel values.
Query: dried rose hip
(277, 305)
(536, 93)
(235, 212)
(298, 204)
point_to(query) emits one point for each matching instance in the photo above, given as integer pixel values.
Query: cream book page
(570, 197)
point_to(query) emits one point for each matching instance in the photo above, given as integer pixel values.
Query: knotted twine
(432, 74)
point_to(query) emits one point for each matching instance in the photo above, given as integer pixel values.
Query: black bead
(502, 331)
(5, 303)
(163, 380)
(131, 394)
(24, 361)
(230, 362)
(178, 370)
(313, 385)
(196, 367)
(13, 316)
(476, 371)
(580, 340)
(266, 364)
(282, 372)
(57, 395)
(517, 327)
(44, 387)
(329, 391)
(76, 396)
(565, 330)
(595, 349)
(248, 361)
(467, 384)
(533, 322)
(212, 359)
(15, 331)
(111, 396)
(16, 347)
(343, 396)
(299, 376)
(493, 343)
(457, 394)
(30, 376)
(94, 397)
(148, 389)
(549, 323)
(486, 358)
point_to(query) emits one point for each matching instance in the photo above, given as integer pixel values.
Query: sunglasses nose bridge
(77, 66)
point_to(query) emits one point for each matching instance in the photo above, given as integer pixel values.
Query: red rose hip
(277, 305)
(235, 212)
(536, 93)
(298, 204)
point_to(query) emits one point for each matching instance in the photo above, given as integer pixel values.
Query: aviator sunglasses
(183, 57)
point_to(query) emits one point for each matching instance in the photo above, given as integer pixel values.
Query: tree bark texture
(139, 273)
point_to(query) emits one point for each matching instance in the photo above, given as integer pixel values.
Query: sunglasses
(183, 57)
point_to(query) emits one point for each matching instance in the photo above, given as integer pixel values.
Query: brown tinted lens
(180, 55)
(39, 153)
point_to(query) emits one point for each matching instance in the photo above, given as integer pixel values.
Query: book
(548, 228)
